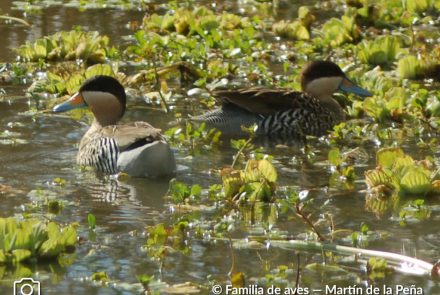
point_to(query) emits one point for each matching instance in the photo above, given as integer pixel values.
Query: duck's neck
(330, 104)
(103, 121)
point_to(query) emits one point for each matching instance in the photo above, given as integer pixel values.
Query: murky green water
(36, 148)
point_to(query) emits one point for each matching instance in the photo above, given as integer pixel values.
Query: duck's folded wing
(132, 135)
(261, 100)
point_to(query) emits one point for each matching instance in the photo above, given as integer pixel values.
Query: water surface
(37, 147)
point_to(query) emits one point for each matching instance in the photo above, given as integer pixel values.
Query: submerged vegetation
(264, 205)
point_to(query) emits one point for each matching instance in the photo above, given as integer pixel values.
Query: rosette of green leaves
(381, 51)
(33, 239)
(257, 182)
(400, 173)
(72, 45)
(298, 29)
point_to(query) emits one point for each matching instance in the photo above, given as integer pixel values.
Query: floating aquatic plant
(339, 31)
(380, 51)
(397, 12)
(415, 210)
(90, 47)
(193, 21)
(213, 42)
(377, 268)
(411, 67)
(194, 138)
(389, 106)
(163, 240)
(256, 182)
(37, 5)
(399, 173)
(100, 276)
(34, 239)
(61, 82)
(298, 29)
(343, 173)
(180, 193)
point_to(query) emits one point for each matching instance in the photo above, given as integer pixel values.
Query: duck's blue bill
(349, 86)
(74, 102)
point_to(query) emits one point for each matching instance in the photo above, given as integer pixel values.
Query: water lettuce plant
(298, 29)
(391, 105)
(397, 12)
(336, 32)
(411, 67)
(62, 80)
(31, 6)
(89, 47)
(381, 51)
(32, 239)
(212, 41)
(256, 182)
(400, 173)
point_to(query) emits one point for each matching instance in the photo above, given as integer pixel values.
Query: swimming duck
(284, 112)
(136, 148)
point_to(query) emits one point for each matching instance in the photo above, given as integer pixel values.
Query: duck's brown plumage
(136, 148)
(284, 111)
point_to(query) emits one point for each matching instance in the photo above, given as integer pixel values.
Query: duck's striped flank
(100, 152)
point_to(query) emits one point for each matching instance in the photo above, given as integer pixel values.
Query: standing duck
(284, 112)
(136, 148)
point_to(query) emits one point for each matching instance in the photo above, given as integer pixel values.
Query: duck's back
(275, 111)
(137, 149)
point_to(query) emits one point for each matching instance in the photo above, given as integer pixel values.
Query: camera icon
(27, 286)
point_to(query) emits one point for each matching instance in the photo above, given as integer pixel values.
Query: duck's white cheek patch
(323, 87)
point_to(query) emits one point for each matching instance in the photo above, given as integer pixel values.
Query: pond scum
(389, 47)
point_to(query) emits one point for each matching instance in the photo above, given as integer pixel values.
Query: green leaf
(74, 83)
(377, 177)
(408, 67)
(100, 276)
(3, 258)
(145, 279)
(51, 248)
(292, 30)
(267, 170)
(334, 157)
(418, 6)
(23, 238)
(386, 157)
(238, 280)
(91, 219)
(196, 190)
(53, 230)
(39, 235)
(415, 181)
(232, 181)
(257, 191)
(69, 236)
(401, 165)
(99, 69)
(379, 51)
(21, 255)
